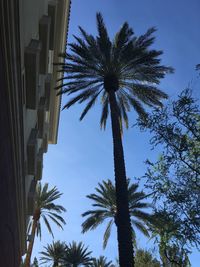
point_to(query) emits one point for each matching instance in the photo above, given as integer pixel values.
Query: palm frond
(104, 204)
(80, 98)
(89, 105)
(141, 227)
(107, 233)
(53, 253)
(56, 221)
(105, 113)
(146, 39)
(95, 219)
(103, 40)
(47, 225)
(77, 255)
(39, 230)
(101, 262)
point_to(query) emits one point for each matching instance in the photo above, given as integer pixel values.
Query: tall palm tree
(77, 255)
(106, 209)
(101, 262)
(125, 73)
(54, 253)
(44, 208)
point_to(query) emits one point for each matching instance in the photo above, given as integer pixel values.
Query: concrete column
(9, 236)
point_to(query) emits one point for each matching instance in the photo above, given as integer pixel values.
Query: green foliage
(104, 202)
(101, 262)
(72, 255)
(22, 263)
(175, 257)
(124, 74)
(54, 253)
(174, 179)
(45, 208)
(77, 255)
(35, 263)
(144, 258)
(165, 228)
(127, 65)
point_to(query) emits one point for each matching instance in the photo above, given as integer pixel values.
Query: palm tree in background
(77, 255)
(104, 202)
(44, 208)
(101, 262)
(35, 263)
(124, 74)
(54, 253)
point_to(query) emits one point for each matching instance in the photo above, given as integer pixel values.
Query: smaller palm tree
(106, 208)
(54, 253)
(35, 263)
(77, 255)
(101, 262)
(45, 208)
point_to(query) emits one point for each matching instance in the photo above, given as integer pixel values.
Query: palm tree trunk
(30, 245)
(123, 222)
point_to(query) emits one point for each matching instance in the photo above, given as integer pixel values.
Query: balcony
(41, 116)
(48, 91)
(31, 197)
(44, 35)
(31, 61)
(38, 175)
(32, 152)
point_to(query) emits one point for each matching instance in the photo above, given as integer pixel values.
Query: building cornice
(62, 24)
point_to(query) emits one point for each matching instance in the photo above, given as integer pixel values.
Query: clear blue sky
(83, 155)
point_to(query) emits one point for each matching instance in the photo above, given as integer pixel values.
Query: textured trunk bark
(124, 233)
(30, 245)
(162, 253)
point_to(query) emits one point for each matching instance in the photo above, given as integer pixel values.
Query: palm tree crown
(101, 262)
(125, 65)
(46, 208)
(105, 201)
(77, 255)
(53, 253)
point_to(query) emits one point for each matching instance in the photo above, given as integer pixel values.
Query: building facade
(32, 34)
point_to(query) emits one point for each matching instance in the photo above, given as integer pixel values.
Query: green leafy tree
(77, 255)
(166, 231)
(144, 258)
(176, 256)
(54, 253)
(124, 74)
(104, 202)
(45, 208)
(174, 179)
(101, 262)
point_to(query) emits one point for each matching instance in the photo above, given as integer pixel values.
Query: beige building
(32, 34)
